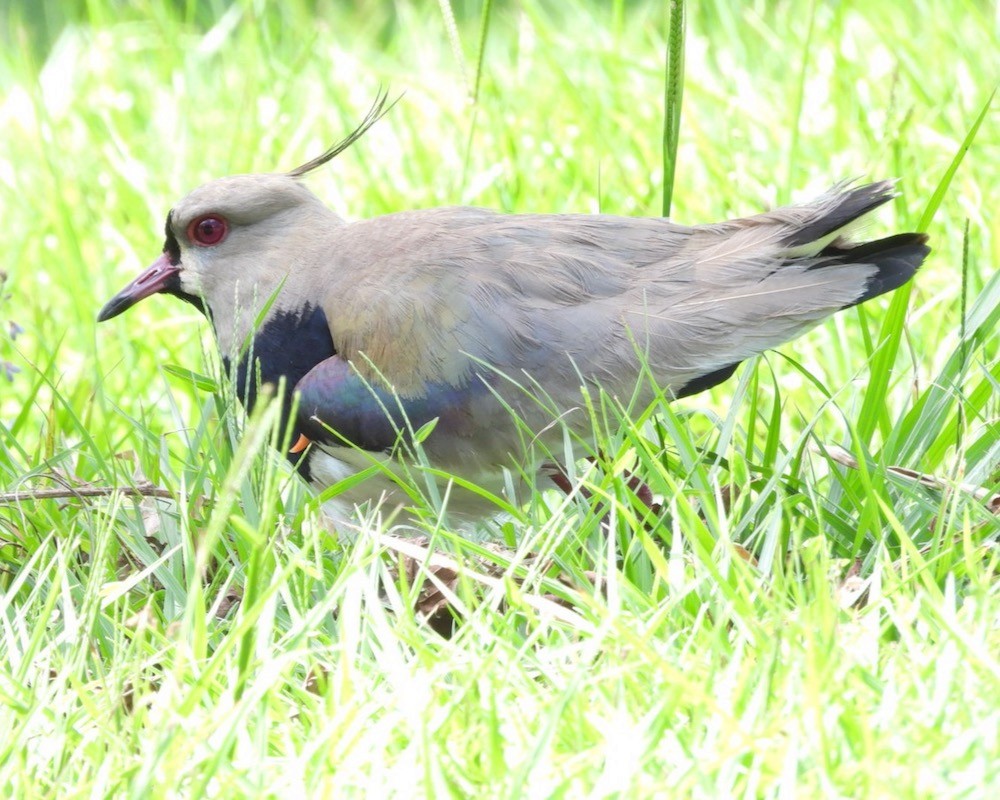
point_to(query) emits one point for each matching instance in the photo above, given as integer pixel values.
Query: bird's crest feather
(378, 110)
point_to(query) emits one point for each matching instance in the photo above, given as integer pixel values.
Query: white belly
(381, 495)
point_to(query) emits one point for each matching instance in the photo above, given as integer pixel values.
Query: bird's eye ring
(207, 230)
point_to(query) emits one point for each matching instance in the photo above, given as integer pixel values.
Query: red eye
(207, 230)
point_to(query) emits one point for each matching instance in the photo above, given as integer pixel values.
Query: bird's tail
(823, 234)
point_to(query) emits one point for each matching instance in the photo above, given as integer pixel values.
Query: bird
(477, 332)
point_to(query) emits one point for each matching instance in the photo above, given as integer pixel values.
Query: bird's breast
(287, 345)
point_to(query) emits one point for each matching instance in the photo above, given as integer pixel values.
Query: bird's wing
(440, 306)
(451, 308)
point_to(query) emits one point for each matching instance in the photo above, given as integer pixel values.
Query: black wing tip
(854, 203)
(861, 200)
(867, 196)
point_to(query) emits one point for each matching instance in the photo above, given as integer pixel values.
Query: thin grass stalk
(484, 31)
(673, 96)
(451, 27)
(963, 342)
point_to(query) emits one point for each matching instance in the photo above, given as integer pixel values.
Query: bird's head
(236, 244)
(230, 245)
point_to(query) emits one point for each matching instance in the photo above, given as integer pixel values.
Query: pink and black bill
(162, 276)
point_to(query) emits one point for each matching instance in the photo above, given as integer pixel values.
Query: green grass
(222, 640)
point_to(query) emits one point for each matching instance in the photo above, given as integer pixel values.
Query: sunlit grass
(224, 640)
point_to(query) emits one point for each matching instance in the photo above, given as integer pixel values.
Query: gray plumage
(447, 313)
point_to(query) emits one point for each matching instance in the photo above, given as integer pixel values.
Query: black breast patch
(287, 345)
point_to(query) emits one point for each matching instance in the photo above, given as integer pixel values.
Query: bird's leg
(642, 491)
(638, 487)
(557, 474)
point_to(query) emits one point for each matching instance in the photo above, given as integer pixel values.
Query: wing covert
(333, 395)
